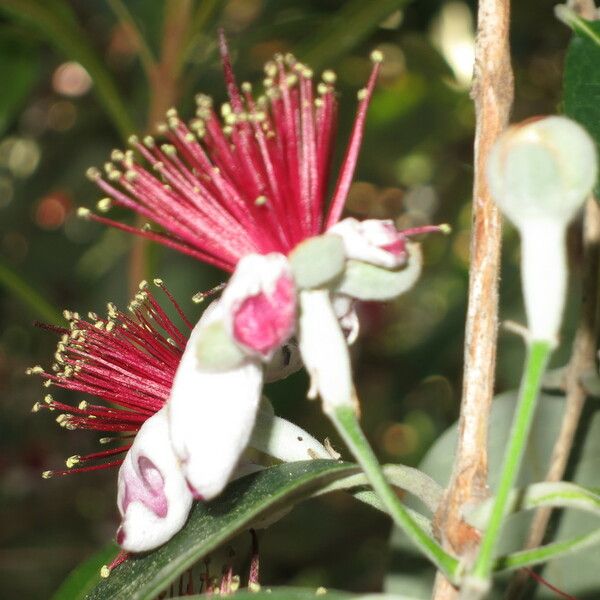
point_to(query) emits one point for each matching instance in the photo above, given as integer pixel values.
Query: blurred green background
(415, 167)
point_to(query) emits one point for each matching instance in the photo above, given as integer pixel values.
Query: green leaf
(84, 578)
(576, 574)
(581, 85)
(290, 593)
(246, 501)
(19, 63)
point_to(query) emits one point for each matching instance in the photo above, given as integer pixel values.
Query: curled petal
(373, 241)
(364, 281)
(260, 303)
(153, 497)
(283, 440)
(211, 415)
(324, 351)
(345, 311)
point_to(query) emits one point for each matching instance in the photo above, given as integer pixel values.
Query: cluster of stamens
(253, 180)
(127, 360)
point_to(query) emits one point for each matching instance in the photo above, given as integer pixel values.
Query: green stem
(537, 358)
(349, 428)
(36, 302)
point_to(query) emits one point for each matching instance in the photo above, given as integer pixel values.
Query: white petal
(283, 440)
(153, 497)
(374, 241)
(324, 351)
(211, 416)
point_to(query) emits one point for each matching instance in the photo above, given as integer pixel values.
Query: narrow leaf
(245, 502)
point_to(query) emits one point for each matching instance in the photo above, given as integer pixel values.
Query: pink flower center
(397, 248)
(263, 322)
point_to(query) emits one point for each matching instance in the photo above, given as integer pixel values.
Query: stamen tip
(93, 174)
(84, 213)
(104, 204)
(105, 571)
(445, 228)
(47, 474)
(72, 461)
(376, 56)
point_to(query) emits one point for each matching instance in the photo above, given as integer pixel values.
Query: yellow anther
(47, 383)
(445, 228)
(36, 370)
(322, 89)
(254, 587)
(72, 461)
(173, 123)
(114, 175)
(260, 201)
(246, 87)
(362, 94)
(83, 213)
(161, 128)
(271, 69)
(320, 591)
(104, 204)
(158, 282)
(110, 326)
(83, 405)
(169, 149)
(376, 56)
(143, 285)
(117, 155)
(189, 137)
(93, 173)
(47, 474)
(133, 140)
(149, 141)
(291, 80)
(36, 407)
(131, 175)
(104, 571)
(171, 113)
(329, 76)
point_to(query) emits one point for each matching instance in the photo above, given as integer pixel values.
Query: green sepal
(317, 261)
(216, 350)
(365, 281)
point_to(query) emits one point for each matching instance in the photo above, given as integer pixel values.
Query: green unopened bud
(365, 281)
(542, 168)
(540, 173)
(317, 261)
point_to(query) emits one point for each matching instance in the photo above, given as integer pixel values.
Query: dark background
(415, 166)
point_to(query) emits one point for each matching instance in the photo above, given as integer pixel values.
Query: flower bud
(539, 173)
(542, 168)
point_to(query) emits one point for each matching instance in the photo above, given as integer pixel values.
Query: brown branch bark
(164, 83)
(582, 361)
(492, 94)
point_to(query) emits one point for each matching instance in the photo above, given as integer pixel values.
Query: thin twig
(583, 360)
(492, 94)
(126, 18)
(164, 82)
